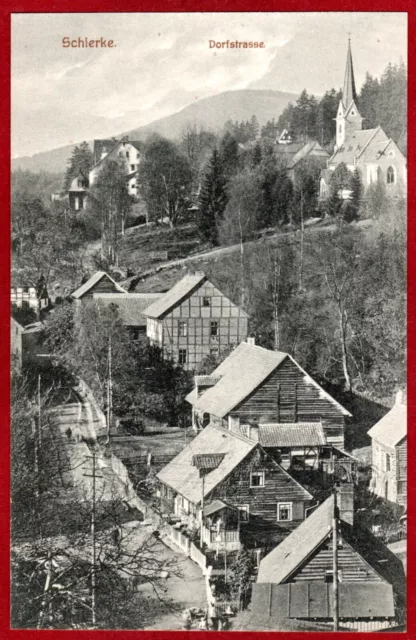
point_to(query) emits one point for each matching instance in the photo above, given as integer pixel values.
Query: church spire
(349, 93)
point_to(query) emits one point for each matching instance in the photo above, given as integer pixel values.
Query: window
(183, 329)
(244, 511)
(329, 576)
(135, 333)
(391, 176)
(133, 185)
(214, 328)
(284, 511)
(132, 167)
(127, 155)
(206, 302)
(388, 462)
(257, 479)
(80, 183)
(182, 356)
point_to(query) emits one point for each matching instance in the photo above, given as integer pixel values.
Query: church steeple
(349, 93)
(348, 117)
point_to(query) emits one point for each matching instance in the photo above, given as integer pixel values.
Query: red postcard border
(92, 6)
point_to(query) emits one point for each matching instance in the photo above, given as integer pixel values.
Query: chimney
(345, 501)
(253, 431)
(251, 340)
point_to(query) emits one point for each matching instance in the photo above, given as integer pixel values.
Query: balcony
(222, 540)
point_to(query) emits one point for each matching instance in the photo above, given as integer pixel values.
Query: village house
(100, 282)
(77, 192)
(295, 582)
(234, 483)
(254, 386)
(389, 454)
(27, 297)
(127, 151)
(194, 320)
(371, 151)
(292, 152)
(131, 308)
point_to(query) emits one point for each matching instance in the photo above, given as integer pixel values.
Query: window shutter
(297, 511)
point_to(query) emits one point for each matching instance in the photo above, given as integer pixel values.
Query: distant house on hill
(294, 153)
(371, 151)
(255, 385)
(100, 282)
(194, 320)
(125, 150)
(131, 308)
(389, 454)
(77, 192)
(295, 580)
(222, 467)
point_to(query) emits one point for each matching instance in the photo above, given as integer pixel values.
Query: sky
(162, 62)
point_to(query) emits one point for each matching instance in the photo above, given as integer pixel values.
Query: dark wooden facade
(205, 323)
(105, 285)
(288, 395)
(351, 565)
(262, 502)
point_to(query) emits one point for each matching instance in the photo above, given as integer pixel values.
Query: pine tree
(212, 200)
(356, 193)
(81, 160)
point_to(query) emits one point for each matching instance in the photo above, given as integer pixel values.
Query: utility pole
(335, 602)
(202, 507)
(109, 389)
(93, 616)
(39, 413)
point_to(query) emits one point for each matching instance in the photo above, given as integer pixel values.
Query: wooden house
(370, 577)
(100, 282)
(124, 151)
(194, 320)
(220, 465)
(131, 308)
(254, 386)
(389, 455)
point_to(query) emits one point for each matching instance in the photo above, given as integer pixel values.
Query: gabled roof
(315, 600)
(392, 428)
(241, 373)
(182, 289)
(217, 505)
(355, 144)
(313, 148)
(298, 434)
(137, 145)
(130, 305)
(280, 563)
(183, 477)
(99, 275)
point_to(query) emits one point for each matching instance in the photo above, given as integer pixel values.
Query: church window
(340, 128)
(391, 177)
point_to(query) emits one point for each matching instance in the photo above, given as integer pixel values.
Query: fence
(184, 543)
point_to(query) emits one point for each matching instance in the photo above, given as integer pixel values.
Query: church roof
(354, 145)
(349, 92)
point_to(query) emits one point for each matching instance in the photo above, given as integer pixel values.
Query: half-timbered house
(389, 455)
(194, 320)
(254, 386)
(370, 577)
(223, 466)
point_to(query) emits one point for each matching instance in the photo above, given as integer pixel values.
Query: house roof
(174, 296)
(315, 600)
(293, 550)
(206, 380)
(299, 434)
(354, 145)
(184, 478)
(307, 149)
(137, 145)
(241, 373)
(215, 506)
(99, 275)
(130, 305)
(392, 427)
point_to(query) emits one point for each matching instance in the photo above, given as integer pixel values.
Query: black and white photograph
(208, 321)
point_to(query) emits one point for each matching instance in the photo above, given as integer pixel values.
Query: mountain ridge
(211, 113)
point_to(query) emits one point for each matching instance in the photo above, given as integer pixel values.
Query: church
(371, 151)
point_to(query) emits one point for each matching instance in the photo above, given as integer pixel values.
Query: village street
(162, 609)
